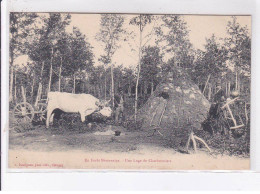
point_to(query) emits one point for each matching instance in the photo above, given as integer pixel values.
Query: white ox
(85, 104)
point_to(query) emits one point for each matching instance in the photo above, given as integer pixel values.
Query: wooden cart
(25, 112)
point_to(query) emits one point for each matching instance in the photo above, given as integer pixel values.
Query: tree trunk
(60, 74)
(236, 81)
(23, 93)
(129, 89)
(11, 83)
(145, 88)
(15, 92)
(152, 88)
(112, 86)
(39, 91)
(11, 72)
(228, 88)
(98, 91)
(49, 87)
(43, 63)
(83, 87)
(105, 86)
(138, 70)
(74, 83)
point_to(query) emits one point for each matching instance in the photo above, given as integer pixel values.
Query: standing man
(218, 100)
(215, 117)
(220, 94)
(119, 106)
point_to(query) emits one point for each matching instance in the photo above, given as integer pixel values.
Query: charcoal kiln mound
(176, 102)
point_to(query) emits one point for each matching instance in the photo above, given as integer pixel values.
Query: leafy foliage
(212, 61)
(239, 45)
(110, 34)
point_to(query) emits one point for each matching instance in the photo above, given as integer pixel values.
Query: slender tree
(140, 21)
(21, 29)
(151, 62)
(173, 38)
(111, 32)
(239, 48)
(81, 55)
(210, 64)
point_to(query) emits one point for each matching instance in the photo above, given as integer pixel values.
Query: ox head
(106, 111)
(104, 108)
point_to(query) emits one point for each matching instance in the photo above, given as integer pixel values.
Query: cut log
(237, 126)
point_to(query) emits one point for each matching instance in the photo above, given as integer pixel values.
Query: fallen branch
(201, 140)
(193, 138)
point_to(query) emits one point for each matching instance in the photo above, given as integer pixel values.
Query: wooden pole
(32, 90)
(209, 94)
(206, 84)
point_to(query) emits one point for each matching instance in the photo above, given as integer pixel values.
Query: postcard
(129, 91)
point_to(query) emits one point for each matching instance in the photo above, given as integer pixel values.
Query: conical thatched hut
(175, 102)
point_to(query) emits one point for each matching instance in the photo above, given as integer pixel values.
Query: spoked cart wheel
(40, 112)
(23, 112)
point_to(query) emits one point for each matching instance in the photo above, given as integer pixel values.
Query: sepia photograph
(129, 91)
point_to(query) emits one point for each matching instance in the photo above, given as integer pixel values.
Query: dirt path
(101, 149)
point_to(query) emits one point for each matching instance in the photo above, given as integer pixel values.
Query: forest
(66, 61)
(63, 61)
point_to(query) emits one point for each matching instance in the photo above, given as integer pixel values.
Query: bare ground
(70, 147)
